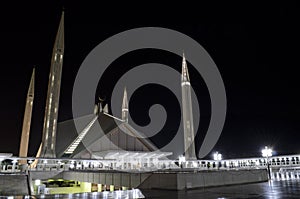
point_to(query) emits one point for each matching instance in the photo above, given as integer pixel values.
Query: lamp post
(217, 157)
(266, 153)
(181, 161)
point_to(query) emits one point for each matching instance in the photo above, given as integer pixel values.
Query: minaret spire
(125, 106)
(187, 112)
(27, 121)
(52, 103)
(185, 74)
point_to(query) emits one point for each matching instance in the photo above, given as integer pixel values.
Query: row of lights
(266, 152)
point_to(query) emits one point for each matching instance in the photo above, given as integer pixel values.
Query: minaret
(125, 107)
(27, 121)
(187, 111)
(52, 103)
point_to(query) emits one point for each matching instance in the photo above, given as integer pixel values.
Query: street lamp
(266, 153)
(181, 161)
(217, 157)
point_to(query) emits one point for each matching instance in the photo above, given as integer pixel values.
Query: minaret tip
(33, 73)
(31, 85)
(125, 100)
(185, 74)
(59, 40)
(125, 106)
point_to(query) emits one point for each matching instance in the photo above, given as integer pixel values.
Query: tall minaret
(52, 103)
(188, 125)
(125, 106)
(27, 121)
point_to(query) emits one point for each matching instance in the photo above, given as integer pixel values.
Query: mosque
(117, 139)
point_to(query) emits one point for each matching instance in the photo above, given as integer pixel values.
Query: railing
(10, 164)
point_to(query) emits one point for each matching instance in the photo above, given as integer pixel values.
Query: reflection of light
(271, 184)
(134, 194)
(94, 194)
(105, 193)
(119, 194)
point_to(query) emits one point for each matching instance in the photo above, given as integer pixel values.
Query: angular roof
(67, 133)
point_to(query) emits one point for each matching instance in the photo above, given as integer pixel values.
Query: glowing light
(85, 163)
(257, 163)
(37, 182)
(195, 164)
(267, 152)
(236, 163)
(71, 166)
(181, 159)
(217, 156)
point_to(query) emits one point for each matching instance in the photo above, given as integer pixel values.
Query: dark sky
(258, 61)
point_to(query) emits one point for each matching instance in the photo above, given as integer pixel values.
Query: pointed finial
(125, 100)
(59, 40)
(184, 73)
(125, 106)
(31, 85)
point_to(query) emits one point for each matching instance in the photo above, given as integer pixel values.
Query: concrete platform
(172, 180)
(193, 180)
(14, 184)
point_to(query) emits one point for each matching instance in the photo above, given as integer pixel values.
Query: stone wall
(167, 180)
(14, 184)
(131, 180)
(192, 180)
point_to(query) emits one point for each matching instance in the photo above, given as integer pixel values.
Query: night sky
(258, 61)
